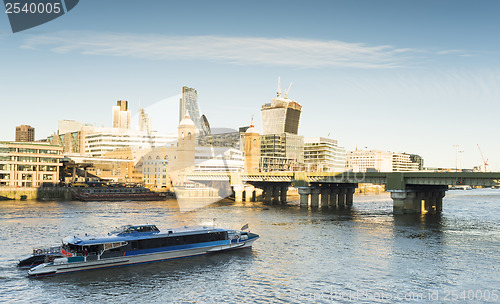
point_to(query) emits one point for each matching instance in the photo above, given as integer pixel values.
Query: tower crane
(278, 91)
(288, 90)
(485, 161)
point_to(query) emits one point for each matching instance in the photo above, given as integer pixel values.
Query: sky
(406, 76)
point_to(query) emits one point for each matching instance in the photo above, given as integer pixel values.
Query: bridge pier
(249, 194)
(341, 198)
(276, 194)
(238, 193)
(315, 197)
(334, 193)
(267, 195)
(423, 200)
(304, 196)
(439, 202)
(349, 197)
(283, 193)
(325, 192)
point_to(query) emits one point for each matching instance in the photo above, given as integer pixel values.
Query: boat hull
(58, 267)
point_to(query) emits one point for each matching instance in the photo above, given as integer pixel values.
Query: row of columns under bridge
(420, 199)
(333, 195)
(270, 193)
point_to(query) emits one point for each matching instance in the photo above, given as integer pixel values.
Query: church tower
(186, 145)
(252, 149)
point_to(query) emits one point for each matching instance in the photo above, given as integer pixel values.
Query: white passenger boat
(136, 244)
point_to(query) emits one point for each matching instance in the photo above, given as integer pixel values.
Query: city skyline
(405, 77)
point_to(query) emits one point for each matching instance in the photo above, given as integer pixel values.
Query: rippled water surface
(303, 256)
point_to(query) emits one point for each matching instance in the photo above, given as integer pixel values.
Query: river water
(362, 255)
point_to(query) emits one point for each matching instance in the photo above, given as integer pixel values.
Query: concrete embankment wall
(45, 193)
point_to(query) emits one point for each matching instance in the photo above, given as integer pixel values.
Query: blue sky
(406, 76)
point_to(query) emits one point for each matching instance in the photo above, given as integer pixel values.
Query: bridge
(411, 192)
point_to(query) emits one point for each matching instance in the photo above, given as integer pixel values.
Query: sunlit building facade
(282, 115)
(323, 155)
(380, 161)
(29, 164)
(25, 133)
(281, 152)
(103, 140)
(121, 115)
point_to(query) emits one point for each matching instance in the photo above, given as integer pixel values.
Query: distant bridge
(412, 192)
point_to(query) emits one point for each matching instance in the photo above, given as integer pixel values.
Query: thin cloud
(232, 50)
(448, 52)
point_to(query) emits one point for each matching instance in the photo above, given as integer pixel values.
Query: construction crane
(278, 91)
(288, 90)
(484, 161)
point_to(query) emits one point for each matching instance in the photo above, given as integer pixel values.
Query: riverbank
(31, 193)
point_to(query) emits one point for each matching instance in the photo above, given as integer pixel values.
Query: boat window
(178, 240)
(121, 229)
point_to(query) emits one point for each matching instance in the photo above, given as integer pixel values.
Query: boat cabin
(136, 239)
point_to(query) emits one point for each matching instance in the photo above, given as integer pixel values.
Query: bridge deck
(393, 180)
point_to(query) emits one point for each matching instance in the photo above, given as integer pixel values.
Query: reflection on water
(304, 255)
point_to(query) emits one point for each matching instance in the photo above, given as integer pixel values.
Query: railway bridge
(411, 192)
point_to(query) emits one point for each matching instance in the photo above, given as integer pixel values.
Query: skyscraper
(25, 133)
(281, 148)
(144, 121)
(188, 105)
(121, 115)
(282, 115)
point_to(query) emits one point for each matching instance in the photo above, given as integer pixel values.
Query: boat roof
(137, 232)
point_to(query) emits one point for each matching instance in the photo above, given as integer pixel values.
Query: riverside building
(323, 155)
(29, 164)
(402, 162)
(381, 161)
(103, 140)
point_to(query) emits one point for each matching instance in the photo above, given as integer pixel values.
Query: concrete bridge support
(249, 193)
(331, 194)
(349, 197)
(422, 200)
(334, 193)
(238, 193)
(325, 193)
(267, 195)
(283, 193)
(304, 196)
(315, 197)
(439, 202)
(276, 194)
(341, 198)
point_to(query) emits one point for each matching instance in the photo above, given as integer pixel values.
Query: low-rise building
(402, 162)
(380, 161)
(369, 160)
(29, 164)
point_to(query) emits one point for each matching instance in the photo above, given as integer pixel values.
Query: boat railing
(47, 250)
